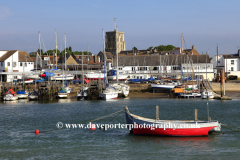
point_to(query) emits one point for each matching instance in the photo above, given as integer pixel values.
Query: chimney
(239, 52)
(193, 47)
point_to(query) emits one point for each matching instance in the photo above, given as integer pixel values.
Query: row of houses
(137, 64)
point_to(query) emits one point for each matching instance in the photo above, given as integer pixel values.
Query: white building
(144, 66)
(13, 64)
(229, 63)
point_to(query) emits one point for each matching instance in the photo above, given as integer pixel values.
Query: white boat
(68, 89)
(121, 88)
(165, 85)
(147, 126)
(28, 81)
(33, 76)
(10, 95)
(109, 93)
(190, 95)
(95, 75)
(112, 76)
(207, 95)
(83, 93)
(62, 77)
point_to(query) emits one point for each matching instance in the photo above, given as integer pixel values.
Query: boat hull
(172, 131)
(163, 86)
(33, 97)
(145, 126)
(62, 95)
(22, 96)
(10, 98)
(107, 96)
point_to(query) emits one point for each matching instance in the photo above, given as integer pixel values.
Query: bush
(231, 77)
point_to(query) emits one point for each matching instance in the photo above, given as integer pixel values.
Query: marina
(119, 80)
(20, 119)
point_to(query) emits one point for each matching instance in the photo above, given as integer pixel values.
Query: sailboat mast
(104, 58)
(82, 70)
(87, 60)
(56, 46)
(65, 58)
(40, 48)
(181, 53)
(117, 52)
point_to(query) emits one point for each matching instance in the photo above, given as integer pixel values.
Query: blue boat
(22, 94)
(33, 95)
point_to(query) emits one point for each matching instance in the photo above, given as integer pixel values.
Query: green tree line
(159, 48)
(59, 53)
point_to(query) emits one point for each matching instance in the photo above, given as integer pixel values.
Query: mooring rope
(104, 116)
(231, 127)
(93, 120)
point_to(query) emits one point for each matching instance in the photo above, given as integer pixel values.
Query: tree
(70, 48)
(150, 48)
(134, 49)
(32, 54)
(164, 48)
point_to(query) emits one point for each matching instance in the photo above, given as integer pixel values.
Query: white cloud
(5, 12)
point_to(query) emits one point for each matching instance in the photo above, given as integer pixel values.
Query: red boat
(145, 126)
(42, 75)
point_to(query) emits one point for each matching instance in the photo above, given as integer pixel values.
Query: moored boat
(146, 126)
(190, 95)
(109, 93)
(83, 93)
(121, 88)
(33, 95)
(68, 89)
(62, 93)
(22, 94)
(10, 95)
(112, 76)
(166, 84)
(95, 75)
(207, 95)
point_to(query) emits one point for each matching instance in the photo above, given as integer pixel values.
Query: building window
(14, 64)
(231, 68)
(15, 77)
(232, 61)
(25, 64)
(20, 64)
(8, 64)
(218, 61)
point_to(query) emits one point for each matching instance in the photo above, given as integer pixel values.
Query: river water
(20, 119)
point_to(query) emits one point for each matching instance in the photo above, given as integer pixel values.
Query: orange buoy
(37, 131)
(92, 127)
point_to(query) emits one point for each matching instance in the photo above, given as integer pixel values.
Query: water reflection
(173, 141)
(64, 100)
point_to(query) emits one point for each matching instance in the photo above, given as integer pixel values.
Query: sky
(203, 24)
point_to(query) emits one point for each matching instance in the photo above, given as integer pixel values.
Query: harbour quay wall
(144, 87)
(229, 86)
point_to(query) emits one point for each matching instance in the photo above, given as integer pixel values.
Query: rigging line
(44, 45)
(59, 42)
(178, 41)
(185, 43)
(52, 43)
(34, 42)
